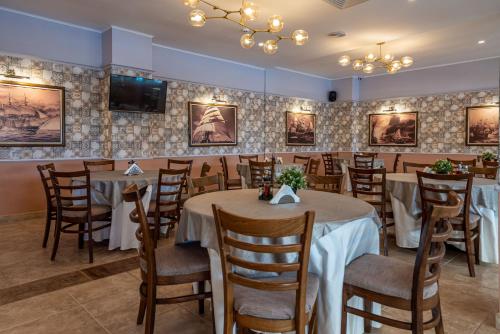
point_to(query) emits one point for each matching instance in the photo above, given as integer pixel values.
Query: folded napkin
(285, 195)
(134, 169)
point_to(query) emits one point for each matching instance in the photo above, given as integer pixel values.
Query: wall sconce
(218, 99)
(306, 108)
(390, 109)
(11, 74)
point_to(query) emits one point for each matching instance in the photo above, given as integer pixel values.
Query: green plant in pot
(293, 177)
(442, 167)
(488, 156)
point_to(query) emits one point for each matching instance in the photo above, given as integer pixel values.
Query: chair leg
(384, 236)
(81, 235)
(469, 250)
(48, 221)
(201, 302)
(436, 312)
(56, 239)
(367, 306)
(313, 323)
(477, 244)
(343, 323)
(150, 309)
(142, 305)
(91, 242)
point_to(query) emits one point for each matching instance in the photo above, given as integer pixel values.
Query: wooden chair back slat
(328, 162)
(490, 164)
(262, 267)
(262, 285)
(180, 165)
(484, 172)
(470, 163)
(260, 170)
(99, 165)
(298, 159)
(418, 166)
(276, 249)
(314, 166)
(328, 183)
(365, 161)
(172, 178)
(244, 158)
(206, 184)
(64, 188)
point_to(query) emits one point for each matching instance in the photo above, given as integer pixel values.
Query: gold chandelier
(246, 13)
(372, 61)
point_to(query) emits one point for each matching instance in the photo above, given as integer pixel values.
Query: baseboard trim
(22, 216)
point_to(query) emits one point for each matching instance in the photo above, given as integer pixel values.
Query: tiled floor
(109, 305)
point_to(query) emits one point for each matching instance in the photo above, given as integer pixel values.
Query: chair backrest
(298, 159)
(370, 184)
(67, 191)
(144, 235)
(484, 172)
(364, 160)
(369, 154)
(205, 169)
(48, 188)
(431, 251)
(396, 163)
(259, 170)
(225, 171)
(205, 184)
(181, 165)
(434, 191)
(99, 165)
(471, 163)
(328, 162)
(493, 164)
(169, 188)
(407, 165)
(329, 183)
(231, 230)
(314, 166)
(248, 158)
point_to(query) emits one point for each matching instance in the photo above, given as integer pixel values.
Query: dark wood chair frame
(229, 184)
(426, 272)
(259, 170)
(314, 167)
(396, 163)
(328, 183)
(470, 163)
(492, 164)
(417, 165)
(298, 159)
(329, 163)
(50, 198)
(150, 279)
(227, 226)
(198, 186)
(109, 164)
(429, 196)
(180, 165)
(63, 189)
(484, 172)
(364, 160)
(249, 157)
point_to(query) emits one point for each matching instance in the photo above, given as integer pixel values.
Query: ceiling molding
(131, 31)
(303, 73)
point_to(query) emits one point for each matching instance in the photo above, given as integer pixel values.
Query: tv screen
(136, 94)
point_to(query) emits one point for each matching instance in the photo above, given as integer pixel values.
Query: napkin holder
(133, 169)
(285, 196)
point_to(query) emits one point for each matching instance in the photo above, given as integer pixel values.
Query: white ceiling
(434, 32)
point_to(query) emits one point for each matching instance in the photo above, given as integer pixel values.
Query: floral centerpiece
(293, 177)
(488, 156)
(442, 167)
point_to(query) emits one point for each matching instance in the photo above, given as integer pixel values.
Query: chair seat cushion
(177, 260)
(473, 220)
(384, 275)
(277, 305)
(98, 212)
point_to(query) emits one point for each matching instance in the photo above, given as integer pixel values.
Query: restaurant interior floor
(71, 296)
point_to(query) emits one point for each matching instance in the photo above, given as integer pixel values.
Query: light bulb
(396, 64)
(388, 58)
(270, 47)
(300, 37)
(192, 3)
(249, 11)
(368, 68)
(275, 23)
(247, 41)
(370, 58)
(197, 18)
(344, 60)
(358, 65)
(391, 70)
(407, 61)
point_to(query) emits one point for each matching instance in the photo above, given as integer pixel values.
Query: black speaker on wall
(332, 96)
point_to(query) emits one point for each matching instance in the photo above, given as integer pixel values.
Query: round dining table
(407, 209)
(345, 228)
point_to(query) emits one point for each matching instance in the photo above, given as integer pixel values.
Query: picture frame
(481, 125)
(31, 114)
(212, 124)
(300, 129)
(393, 129)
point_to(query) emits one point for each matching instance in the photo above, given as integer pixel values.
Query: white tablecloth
(345, 163)
(345, 229)
(246, 176)
(406, 206)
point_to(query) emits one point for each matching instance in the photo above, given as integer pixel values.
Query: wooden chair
(369, 154)
(416, 165)
(401, 285)
(487, 164)
(298, 159)
(229, 184)
(432, 194)
(248, 158)
(484, 172)
(396, 163)
(364, 160)
(181, 164)
(259, 171)
(278, 304)
(99, 165)
(372, 190)
(75, 209)
(328, 162)
(314, 166)
(470, 163)
(205, 169)
(167, 204)
(166, 265)
(50, 199)
(206, 184)
(329, 183)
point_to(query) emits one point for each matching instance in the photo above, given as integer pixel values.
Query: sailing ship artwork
(482, 126)
(394, 129)
(300, 129)
(212, 124)
(31, 114)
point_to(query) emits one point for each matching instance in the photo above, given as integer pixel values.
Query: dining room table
(407, 210)
(246, 176)
(344, 229)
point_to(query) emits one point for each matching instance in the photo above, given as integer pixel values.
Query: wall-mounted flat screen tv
(136, 94)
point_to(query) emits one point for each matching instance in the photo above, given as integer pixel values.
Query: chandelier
(372, 61)
(246, 13)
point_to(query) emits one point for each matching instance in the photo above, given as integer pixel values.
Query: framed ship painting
(212, 124)
(31, 114)
(300, 129)
(481, 126)
(393, 129)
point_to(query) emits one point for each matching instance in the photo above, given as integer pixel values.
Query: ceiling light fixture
(371, 61)
(246, 13)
